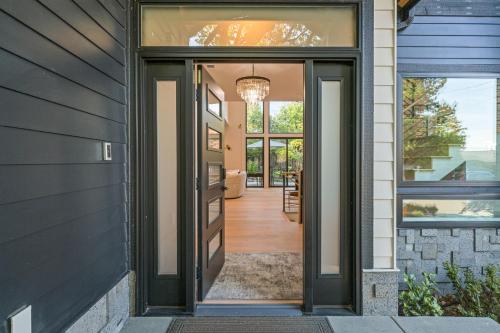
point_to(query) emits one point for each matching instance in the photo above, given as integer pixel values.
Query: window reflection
(214, 174)
(214, 210)
(438, 210)
(450, 129)
(214, 104)
(214, 141)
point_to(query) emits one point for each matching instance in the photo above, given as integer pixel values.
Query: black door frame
(361, 57)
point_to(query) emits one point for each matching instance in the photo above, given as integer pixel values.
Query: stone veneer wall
(109, 314)
(425, 250)
(380, 292)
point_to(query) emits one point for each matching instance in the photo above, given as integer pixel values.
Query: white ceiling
(287, 80)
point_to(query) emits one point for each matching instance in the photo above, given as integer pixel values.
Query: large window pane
(202, 25)
(330, 177)
(450, 129)
(166, 122)
(286, 117)
(445, 210)
(255, 118)
(255, 162)
(277, 161)
(295, 154)
(284, 155)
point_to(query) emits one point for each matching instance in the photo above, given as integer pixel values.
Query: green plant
(420, 298)
(474, 297)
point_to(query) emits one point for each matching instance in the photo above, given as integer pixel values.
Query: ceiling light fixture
(253, 89)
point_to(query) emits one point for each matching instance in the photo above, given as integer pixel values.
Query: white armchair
(235, 183)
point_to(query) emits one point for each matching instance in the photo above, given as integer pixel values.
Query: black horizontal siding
(451, 41)
(24, 111)
(37, 17)
(63, 210)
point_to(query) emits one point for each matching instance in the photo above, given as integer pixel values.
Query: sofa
(235, 183)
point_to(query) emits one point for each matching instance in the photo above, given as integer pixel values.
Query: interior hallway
(263, 251)
(255, 223)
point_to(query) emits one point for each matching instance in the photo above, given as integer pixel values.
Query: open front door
(211, 175)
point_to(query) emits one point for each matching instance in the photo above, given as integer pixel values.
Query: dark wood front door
(211, 177)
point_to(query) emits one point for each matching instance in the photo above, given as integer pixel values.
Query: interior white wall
(235, 136)
(384, 133)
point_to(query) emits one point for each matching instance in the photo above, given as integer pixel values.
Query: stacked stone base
(425, 250)
(380, 292)
(109, 314)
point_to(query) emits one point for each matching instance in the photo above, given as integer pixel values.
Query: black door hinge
(198, 273)
(198, 184)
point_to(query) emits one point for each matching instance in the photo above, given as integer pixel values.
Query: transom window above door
(257, 26)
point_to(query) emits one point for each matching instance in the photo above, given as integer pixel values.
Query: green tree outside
(255, 118)
(288, 119)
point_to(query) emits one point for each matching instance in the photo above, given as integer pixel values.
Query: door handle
(225, 188)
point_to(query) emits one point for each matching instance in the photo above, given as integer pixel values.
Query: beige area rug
(259, 276)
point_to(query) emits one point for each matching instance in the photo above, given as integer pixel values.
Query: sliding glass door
(255, 162)
(285, 154)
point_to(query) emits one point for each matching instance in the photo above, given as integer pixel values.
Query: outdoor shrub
(474, 297)
(420, 298)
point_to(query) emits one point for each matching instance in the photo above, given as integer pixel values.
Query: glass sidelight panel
(166, 122)
(214, 210)
(262, 26)
(330, 177)
(214, 244)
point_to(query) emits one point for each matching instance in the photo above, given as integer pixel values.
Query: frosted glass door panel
(330, 177)
(214, 244)
(166, 122)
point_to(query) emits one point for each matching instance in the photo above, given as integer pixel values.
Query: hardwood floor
(255, 223)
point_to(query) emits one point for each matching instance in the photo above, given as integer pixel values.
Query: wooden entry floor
(255, 223)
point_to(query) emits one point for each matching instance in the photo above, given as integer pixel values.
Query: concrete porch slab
(146, 325)
(348, 324)
(368, 324)
(447, 324)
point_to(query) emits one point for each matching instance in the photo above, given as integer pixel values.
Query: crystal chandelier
(253, 89)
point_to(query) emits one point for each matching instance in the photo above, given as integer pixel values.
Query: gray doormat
(250, 325)
(263, 276)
